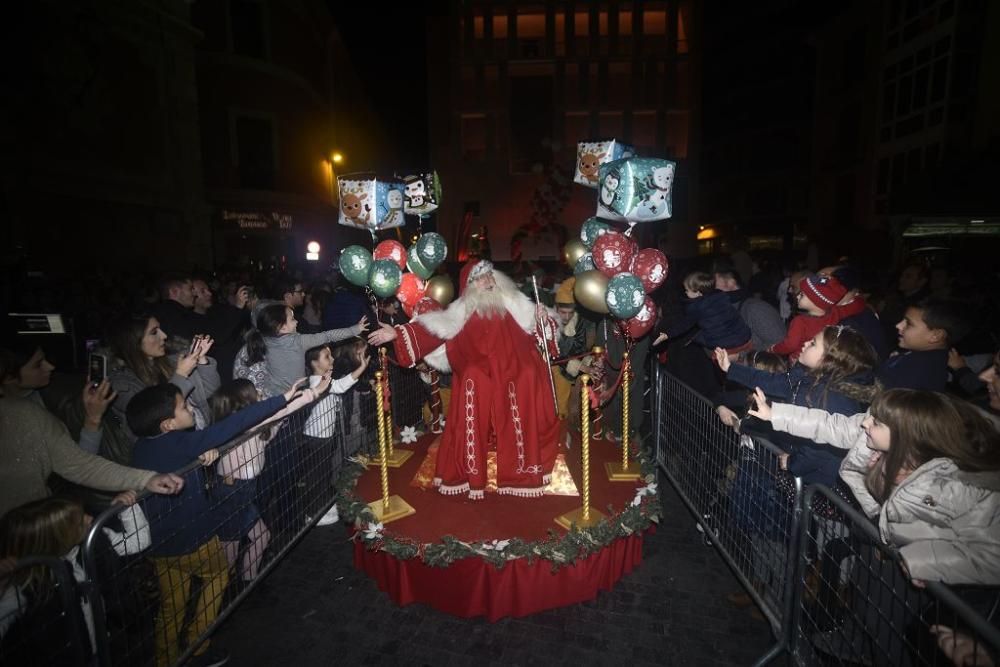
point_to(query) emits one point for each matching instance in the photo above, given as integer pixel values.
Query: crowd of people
(230, 426)
(895, 408)
(885, 395)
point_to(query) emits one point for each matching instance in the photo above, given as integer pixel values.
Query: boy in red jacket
(818, 298)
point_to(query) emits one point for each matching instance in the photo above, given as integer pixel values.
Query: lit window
(530, 26)
(654, 23)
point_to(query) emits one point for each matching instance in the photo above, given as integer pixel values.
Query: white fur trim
(438, 359)
(536, 492)
(451, 490)
(446, 324)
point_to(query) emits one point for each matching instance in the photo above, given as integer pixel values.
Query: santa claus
(488, 338)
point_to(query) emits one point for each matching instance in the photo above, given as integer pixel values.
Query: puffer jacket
(944, 521)
(813, 461)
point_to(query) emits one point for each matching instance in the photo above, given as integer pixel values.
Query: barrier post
(586, 516)
(387, 508)
(626, 471)
(393, 457)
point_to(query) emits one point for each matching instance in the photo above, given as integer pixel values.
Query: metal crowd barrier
(162, 599)
(817, 569)
(157, 600)
(855, 603)
(743, 502)
(42, 614)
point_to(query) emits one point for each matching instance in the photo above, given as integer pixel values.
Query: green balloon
(415, 265)
(625, 295)
(385, 278)
(432, 250)
(585, 263)
(356, 264)
(592, 228)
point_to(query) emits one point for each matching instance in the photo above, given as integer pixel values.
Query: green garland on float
(559, 550)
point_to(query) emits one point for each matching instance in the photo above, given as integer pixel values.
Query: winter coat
(813, 461)
(720, 323)
(196, 389)
(944, 521)
(926, 370)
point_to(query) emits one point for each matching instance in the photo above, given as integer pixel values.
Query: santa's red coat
(500, 394)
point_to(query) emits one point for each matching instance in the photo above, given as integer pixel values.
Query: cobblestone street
(315, 609)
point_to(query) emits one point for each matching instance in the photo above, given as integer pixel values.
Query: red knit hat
(824, 291)
(472, 270)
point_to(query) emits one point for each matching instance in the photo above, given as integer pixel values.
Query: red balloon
(411, 290)
(425, 305)
(638, 326)
(393, 250)
(613, 253)
(650, 266)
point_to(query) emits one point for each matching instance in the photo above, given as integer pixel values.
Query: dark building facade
(513, 87)
(757, 83)
(907, 119)
(162, 135)
(100, 160)
(277, 102)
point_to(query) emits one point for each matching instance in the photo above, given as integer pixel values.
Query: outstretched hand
(363, 323)
(763, 410)
(384, 334)
(722, 358)
(362, 366)
(167, 484)
(295, 390)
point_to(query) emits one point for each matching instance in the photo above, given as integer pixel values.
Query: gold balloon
(440, 289)
(573, 251)
(590, 290)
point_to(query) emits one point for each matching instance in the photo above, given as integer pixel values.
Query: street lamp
(336, 159)
(312, 251)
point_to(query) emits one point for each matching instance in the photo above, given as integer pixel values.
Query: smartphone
(98, 368)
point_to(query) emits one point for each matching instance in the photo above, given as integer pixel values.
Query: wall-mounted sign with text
(262, 220)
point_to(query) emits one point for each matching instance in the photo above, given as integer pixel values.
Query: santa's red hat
(472, 270)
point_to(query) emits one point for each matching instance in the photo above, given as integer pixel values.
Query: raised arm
(818, 425)
(334, 335)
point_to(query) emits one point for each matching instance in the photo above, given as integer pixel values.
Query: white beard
(488, 303)
(448, 323)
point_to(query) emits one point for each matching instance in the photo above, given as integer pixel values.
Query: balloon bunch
(368, 202)
(614, 276)
(384, 272)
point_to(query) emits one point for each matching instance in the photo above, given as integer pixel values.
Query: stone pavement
(315, 609)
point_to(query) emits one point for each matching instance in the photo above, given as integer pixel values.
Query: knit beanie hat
(824, 291)
(564, 295)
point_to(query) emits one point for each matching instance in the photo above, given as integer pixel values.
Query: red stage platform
(474, 587)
